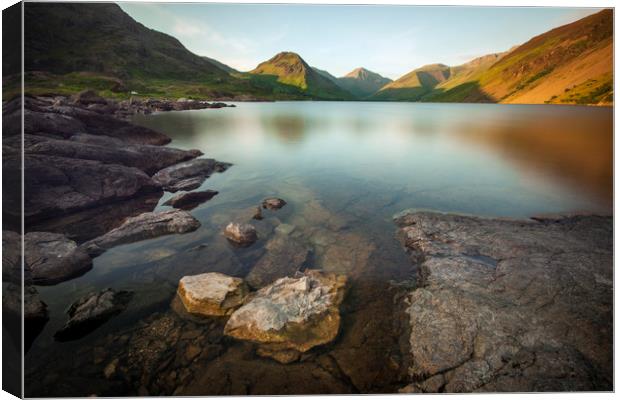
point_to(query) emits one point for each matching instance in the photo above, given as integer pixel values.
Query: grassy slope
(290, 69)
(571, 64)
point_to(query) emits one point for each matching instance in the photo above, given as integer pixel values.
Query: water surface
(345, 169)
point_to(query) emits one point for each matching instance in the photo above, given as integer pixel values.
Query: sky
(389, 40)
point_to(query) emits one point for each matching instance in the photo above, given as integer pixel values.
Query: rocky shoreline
(497, 305)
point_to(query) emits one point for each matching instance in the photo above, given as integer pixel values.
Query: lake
(345, 168)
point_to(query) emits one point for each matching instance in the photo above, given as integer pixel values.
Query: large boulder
(212, 293)
(507, 305)
(188, 175)
(240, 234)
(58, 185)
(291, 316)
(284, 257)
(92, 310)
(190, 200)
(52, 257)
(144, 226)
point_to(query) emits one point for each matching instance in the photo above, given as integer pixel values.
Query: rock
(52, 258)
(241, 234)
(192, 351)
(147, 158)
(510, 305)
(34, 308)
(258, 214)
(291, 314)
(284, 257)
(188, 175)
(57, 185)
(87, 97)
(144, 226)
(190, 200)
(285, 229)
(212, 293)
(89, 312)
(273, 203)
(110, 369)
(12, 258)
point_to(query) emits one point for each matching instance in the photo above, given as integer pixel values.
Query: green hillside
(290, 69)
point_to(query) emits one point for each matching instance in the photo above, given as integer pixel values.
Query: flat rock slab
(190, 200)
(284, 257)
(52, 258)
(188, 175)
(505, 305)
(291, 315)
(211, 294)
(144, 226)
(56, 186)
(89, 312)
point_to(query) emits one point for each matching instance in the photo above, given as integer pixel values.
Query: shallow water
(344, 169)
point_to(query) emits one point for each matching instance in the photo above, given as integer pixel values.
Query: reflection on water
(344, 170)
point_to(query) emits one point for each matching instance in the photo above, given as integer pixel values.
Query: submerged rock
(284, 257)
(505, 305)
(291, 315)
(144, 226)
(241, 234)
(190, 200)
(211, 294)
(89, 312)
(188, 175)
(52, 257)
(273, 203)
(258, 214)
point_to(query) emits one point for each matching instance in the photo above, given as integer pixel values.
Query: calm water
(344, 169)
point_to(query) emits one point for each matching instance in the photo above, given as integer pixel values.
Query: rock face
(211, 294)
(51, 258)
(241, 234)
(291, 316)
(273, 203)
(144, 226)
(56, 186)
(188, 175)
(190, 200)
(510, 305)
(284, 257)
(91, 311)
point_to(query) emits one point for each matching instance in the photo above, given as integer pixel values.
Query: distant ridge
(362, 82)
(290, 69)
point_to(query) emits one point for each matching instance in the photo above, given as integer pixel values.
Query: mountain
(290, 69)
(362, 82)
(571, 64)
(73, 46)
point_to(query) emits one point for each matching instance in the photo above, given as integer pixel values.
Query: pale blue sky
(390, 40)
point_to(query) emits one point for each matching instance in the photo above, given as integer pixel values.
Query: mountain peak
(362, 82)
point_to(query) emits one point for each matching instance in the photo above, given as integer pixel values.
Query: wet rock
(506, 305)
(258, 214)
(89, 312)
(188, 175)
(190, 200)
(142, 227)
(87, 97)
(57, 185)
(291, 314)
(52, 257)
(273, 203)
(147, 158)
(11, 257)
(285, 229)
(212, 293)
(284, 257)
(241, 234)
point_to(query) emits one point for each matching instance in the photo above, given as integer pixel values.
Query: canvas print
(288, 199)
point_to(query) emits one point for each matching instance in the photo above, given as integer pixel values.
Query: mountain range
(69, 47)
